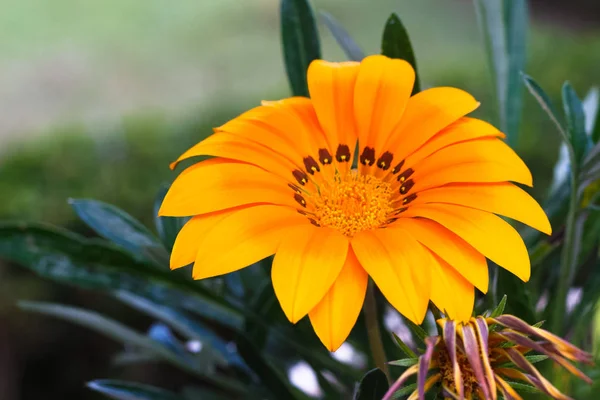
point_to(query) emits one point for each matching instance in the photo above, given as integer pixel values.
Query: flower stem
(568, 256)
(370, 310)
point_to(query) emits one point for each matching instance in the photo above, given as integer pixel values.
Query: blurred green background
(97, 97)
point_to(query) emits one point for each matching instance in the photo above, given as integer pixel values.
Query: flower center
(353, 203)
(469, 379)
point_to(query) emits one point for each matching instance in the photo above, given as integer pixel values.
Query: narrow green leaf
(575, 122)
(115, 225)
(536, 358)
(404, 391)
(416, 329)
(167, 227)
(270, 376)
(342, 37)
(546, 104)
(396, 44)
(516, 17)
(523, 387)
(122, 390)
(64, 257)
(405, 349)
(373, 386)
(405, 362)
(500, 308)
(300, 42)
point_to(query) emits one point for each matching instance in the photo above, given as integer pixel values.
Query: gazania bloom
(416, 214)
(472, 360)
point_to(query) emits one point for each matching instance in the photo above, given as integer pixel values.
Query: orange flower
(416, 215)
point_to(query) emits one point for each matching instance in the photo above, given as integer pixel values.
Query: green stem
(370, 310)
(568, 261)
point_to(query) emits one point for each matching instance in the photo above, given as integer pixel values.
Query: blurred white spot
(304, 378)
(590, 109)
(194, 346)
(542, 303)
(573, 298)
(347, 354)
(393, 322)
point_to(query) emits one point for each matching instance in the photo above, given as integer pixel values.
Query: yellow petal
(400, 267)
(451, 292)
(331, 87)
(451, 248)
(499, 198)
(486, 232)
(474, 151)
(243, 238)
(382, 90)
(305, 266)
(335, 315)
(464, 129)
(427, 113)
(206, 187)
(235, 147)
(186, 244)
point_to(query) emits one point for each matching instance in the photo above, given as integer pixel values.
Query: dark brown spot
(385, 161)
(325, 156)
(300, 176)
(311, 165)
(302, 212)
(405, 175)
(407, 186)
(300, 200)
(294, 188)
(368, 156)
(398, 167)
(389, 221)
(401, 210)
(342, 153)
(314, 222)
(409, 198)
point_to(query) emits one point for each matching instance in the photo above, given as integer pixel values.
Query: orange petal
(451, 248)
(492, 151)
(206, 187)
(335, 315)
(236, 147)
(186, 244)
(305, 266)
(486, 232)
(382, 90)
(243, 238)
(400, 267)
(460, 131)
(451, 292)
(499, 198)
(331, 87)
(427, 113)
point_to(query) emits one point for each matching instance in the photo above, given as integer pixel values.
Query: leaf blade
(342, 37)
(122, 390)
(300, 42)
(373, 386)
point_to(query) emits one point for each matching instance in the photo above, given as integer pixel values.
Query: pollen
(354, 203)
(470, 383)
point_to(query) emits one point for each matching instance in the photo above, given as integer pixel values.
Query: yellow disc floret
(353, 203)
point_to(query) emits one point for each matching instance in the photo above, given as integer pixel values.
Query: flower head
(417, 214)
(474, 360)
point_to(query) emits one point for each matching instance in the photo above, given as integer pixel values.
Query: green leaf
(503, 24)
(536, 358)
(121, 390)
(405, 362)
(270, 376)
(523, 387)
(115, 225)
(373, 386)
(405, 349)
(167, 227)
(404, 391)
(546, 104)
(416, 329)
(575, 122)
(500, 308)
(342, 37)
(68, 258)
(396, 44)
(300, 41)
